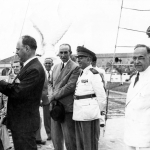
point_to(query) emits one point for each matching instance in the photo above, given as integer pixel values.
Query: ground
(113, 136)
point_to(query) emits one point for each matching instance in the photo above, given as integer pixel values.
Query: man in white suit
(137, 113)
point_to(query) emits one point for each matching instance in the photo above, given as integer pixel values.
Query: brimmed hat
(82, 51)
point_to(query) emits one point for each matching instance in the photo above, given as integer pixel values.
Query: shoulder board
(94, 71)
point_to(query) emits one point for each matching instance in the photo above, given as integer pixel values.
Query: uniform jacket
(90, 108)
(137, 113)
(24, 97)
(64, 82)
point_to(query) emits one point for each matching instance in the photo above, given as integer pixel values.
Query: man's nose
(136, 60)
(63, 55)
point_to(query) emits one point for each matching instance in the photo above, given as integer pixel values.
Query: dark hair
(94, 59)
(5, 71)
(142, 45)
(68, 46)
(16, 61)
(30, 41)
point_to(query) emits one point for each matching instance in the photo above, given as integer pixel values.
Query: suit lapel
(57, 73)
(62, 73)
(133, 91)
(24, 68)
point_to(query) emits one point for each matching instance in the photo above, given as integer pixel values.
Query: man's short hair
(16, 61)
(30, 41)
(94, 59)
(49, 59)
(68, 46)
(142, 45)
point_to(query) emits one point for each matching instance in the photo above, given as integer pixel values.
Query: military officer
(89, 102)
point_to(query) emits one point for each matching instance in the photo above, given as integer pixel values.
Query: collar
(85, 70)
(66, 62)
(29, 60)
(144, 72)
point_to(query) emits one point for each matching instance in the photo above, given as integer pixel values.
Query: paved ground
(112, 140)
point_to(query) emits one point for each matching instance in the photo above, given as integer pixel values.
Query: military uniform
(89, 101)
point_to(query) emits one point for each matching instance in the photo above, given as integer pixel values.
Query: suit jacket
(137, 114)
(45, 100)
(24, 97)
(64, 83)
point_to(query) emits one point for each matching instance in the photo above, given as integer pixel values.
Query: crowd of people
(73, 97)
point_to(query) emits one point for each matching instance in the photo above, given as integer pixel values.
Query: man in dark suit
(64, 78)
(24, 95)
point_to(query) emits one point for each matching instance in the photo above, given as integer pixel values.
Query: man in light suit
(64, 78)
(24, 95)
(137, 110)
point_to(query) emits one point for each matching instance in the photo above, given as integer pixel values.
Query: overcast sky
(92, 23)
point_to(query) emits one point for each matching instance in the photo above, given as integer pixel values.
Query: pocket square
(84, 81)
(17, 81)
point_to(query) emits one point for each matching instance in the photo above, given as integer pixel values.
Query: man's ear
(27, 48)
(52, 64)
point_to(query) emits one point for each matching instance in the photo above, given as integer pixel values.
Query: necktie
(136, 79)
(62, 66)
(49, 77)
(81, 73)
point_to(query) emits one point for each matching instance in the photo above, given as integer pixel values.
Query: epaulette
(94, 71)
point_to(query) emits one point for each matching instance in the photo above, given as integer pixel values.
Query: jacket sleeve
(22, 89)
(45, 90)
(69, 86)
(99, 90)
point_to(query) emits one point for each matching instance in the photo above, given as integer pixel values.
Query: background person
(16, 67)
(137, 110)
(100, 70)
(45, 103)
(4, 134)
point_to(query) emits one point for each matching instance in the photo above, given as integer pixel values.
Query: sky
(92, 23)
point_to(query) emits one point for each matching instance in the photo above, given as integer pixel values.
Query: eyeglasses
(65, 52)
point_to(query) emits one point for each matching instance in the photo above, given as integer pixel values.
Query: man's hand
(103, 113)
(50, 97)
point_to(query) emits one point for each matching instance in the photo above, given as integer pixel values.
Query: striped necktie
(136, 79)
(49, 76)
(62, 66)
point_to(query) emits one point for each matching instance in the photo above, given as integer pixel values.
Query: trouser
(137, 148)
(38, 133)
(1, 145)
(4, 137)
(87, 134)
(47, 120)
(24, 140)
(64, 132)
